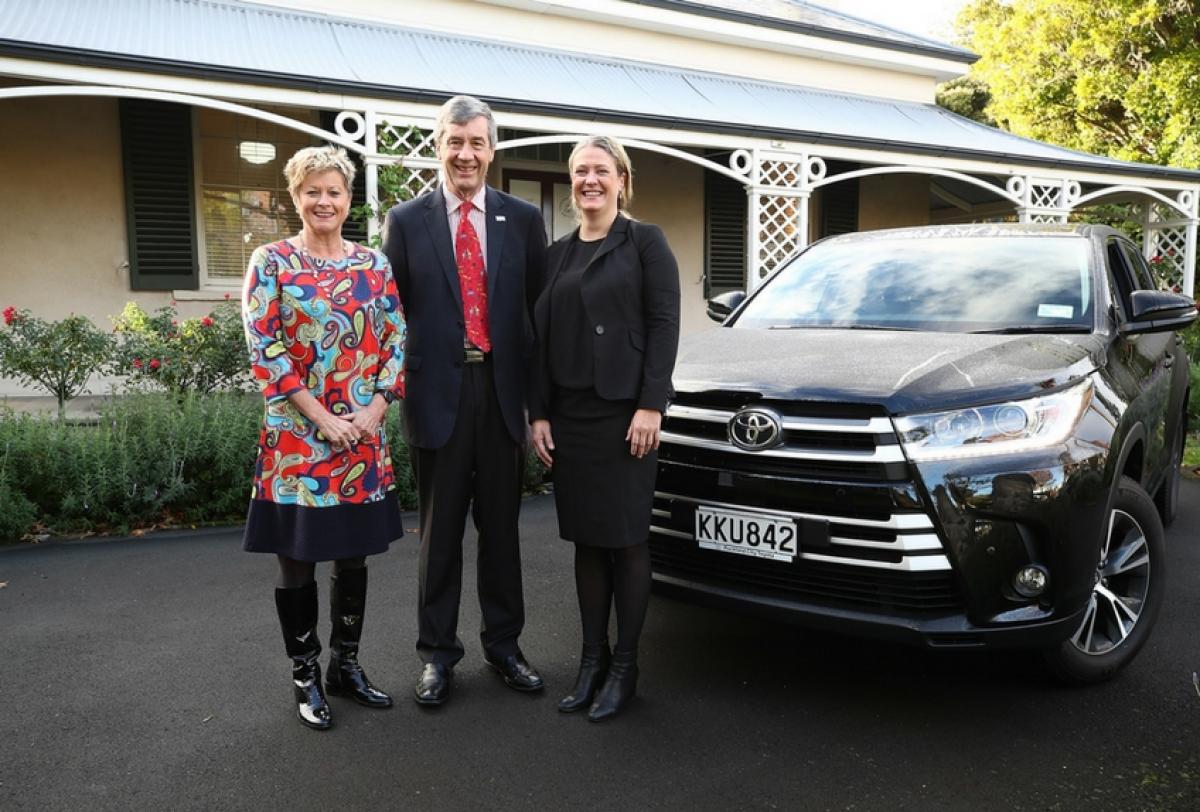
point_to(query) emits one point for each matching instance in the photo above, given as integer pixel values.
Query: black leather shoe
(593, 667)
(618, 688)
(433, 688)
(517, 672)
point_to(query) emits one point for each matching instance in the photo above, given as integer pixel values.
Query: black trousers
(480, 468)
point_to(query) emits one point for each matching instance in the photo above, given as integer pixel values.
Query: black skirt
(322, 533)
(603, 494)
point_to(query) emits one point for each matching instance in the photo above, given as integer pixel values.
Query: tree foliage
(967, 96)
(1118, 78)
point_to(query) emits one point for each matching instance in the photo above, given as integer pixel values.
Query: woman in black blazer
(608, 329)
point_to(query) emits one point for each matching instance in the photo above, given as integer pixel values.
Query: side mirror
(719, 307)
(1158, 311)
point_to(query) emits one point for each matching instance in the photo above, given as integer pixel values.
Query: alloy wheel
(1120, 590)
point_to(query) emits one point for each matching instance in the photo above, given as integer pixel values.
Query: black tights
(294, 574)
(601, 575)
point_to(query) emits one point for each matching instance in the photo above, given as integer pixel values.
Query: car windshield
(1011, 283)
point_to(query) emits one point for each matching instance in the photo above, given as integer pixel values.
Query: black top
(570, 346)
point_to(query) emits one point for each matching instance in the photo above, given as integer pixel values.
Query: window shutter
(156, 147)
(354, 229)
(839, 201)
(724, 234)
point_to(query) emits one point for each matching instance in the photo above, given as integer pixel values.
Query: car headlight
(1002, 428)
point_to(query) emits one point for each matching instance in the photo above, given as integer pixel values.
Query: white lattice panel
(778, 231)
(408, 140)
(415, 182)
(1043, 196)
(1168, 248)
(781, 174)
(1046, 217)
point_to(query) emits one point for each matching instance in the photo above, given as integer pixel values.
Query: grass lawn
(1191, 454)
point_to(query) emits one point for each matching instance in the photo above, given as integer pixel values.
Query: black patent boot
(298, 619)
(347, 601)
(593, 667)
(619, 687)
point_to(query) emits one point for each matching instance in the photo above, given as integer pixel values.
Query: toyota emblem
(755, 429)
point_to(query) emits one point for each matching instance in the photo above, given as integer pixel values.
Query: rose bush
(161, 351)
(57, 357)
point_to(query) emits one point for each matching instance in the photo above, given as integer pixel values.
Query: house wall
(488, 21)
(63, 228)
(893, 201)
(670, 193)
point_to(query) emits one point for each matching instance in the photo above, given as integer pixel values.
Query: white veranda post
(779, 189)
(1169, 240)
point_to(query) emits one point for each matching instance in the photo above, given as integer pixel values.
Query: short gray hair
(460, 110)
(317, 159)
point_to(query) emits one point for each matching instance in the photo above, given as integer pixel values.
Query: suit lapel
(443, 242)
(615, 236)
(496, 222)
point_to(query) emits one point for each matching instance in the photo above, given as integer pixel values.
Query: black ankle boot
(298, 619)
(347, 600)
(619, 687)
(593, 666)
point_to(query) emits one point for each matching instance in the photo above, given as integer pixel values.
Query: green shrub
(150, 459)
(57, 357)
(158, 350)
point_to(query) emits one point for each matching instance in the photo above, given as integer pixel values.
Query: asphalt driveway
(148, 673)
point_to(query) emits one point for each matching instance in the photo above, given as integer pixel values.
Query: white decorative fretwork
(1166, 241)
(780, 184)
(1044, 200)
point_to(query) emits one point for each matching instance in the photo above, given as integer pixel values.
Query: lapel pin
(499, 218)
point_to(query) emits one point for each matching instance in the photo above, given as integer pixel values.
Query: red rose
(206, 322)
(154, 363)
(137, 363)
(227, 297)
(10, 314)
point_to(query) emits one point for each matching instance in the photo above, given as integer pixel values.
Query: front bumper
(987, 517)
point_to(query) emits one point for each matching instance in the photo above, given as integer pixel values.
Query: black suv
(955, 435)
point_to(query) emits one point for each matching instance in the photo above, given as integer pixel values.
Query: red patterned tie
(471, 281)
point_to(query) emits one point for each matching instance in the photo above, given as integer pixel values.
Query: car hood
(903, 371)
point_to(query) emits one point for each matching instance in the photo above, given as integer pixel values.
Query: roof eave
(103, 59)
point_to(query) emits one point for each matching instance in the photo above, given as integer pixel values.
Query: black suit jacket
(630, 293)
(418, 243)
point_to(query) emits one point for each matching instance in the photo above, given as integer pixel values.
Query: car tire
(1167, 498)
(1127, 596)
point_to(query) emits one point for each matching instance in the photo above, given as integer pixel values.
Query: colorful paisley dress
(335, 328)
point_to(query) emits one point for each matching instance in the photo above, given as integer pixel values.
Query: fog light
(1031, 581)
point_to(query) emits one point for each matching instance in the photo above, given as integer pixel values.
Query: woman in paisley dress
(326, 335)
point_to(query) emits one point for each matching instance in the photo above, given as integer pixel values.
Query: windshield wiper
(1035, 328)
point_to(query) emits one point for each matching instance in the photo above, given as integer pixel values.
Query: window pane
(244, 199)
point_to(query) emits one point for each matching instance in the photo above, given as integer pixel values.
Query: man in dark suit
(468, 262)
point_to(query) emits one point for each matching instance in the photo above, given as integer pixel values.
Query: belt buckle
(473, 355)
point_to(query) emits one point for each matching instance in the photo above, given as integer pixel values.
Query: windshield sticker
(1054, 311)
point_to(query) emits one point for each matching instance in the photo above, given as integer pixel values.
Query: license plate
(753, 534)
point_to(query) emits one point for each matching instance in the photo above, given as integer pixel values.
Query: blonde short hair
(620, 158)
(317, 159)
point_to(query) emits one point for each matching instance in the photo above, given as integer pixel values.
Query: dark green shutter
(355, 228)
(839, 201)
(156, 146)
(724, 233)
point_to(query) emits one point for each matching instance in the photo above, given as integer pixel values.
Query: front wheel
(1126, 597)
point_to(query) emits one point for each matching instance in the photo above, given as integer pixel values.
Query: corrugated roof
(269, 45)
(808, 18)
